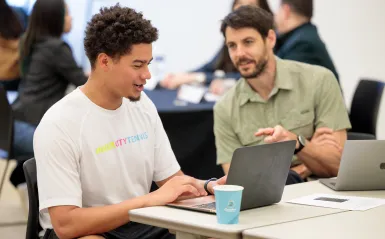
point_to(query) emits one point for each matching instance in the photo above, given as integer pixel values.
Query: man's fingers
(189, 189)
(270, 139)
(187, 180)
(222, 180)
(264, 131)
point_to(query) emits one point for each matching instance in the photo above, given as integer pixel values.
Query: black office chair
(33, 226)
(365, 106)
(6, 132)
(360, 136)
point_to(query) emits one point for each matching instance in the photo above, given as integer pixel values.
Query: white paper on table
(191, 93)
(210, 97)
(339, 202)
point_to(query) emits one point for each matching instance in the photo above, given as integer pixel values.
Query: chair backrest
(6, 124)
(360, 136)
(33, 226)
(365, 106)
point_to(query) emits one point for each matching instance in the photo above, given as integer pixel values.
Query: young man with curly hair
(99, 149)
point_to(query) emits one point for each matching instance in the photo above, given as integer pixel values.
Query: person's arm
(324, 160)
(321, 160)
(67, 67)
(60, 190)
(322, 155)
(226, 140)
(331, 113)
(74, 222)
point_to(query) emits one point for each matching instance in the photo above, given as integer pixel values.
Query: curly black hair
(114, 30)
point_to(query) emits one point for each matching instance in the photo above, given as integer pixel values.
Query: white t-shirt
(88, 156)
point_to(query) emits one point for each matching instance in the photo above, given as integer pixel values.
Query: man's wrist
(208, 186)
(301, 143)
(295, 137)
(147, 200)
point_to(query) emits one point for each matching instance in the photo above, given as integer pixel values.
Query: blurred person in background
(298, 37)
(47, 68)
(219, 68)
(13, 21)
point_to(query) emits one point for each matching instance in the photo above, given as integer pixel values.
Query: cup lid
(228, 188)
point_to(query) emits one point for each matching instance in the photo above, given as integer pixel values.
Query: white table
(352, 225)
(188, 224)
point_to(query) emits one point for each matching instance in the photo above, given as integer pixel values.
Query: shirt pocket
(246, 135)
(299, 122)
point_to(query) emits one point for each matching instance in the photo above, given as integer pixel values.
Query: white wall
(188, 30)
(189, 34)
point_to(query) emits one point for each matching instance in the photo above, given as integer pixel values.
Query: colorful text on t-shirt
(121, 142)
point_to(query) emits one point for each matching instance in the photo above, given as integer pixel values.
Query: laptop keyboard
(210, 206)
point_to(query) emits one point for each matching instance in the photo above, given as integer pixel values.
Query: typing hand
(325, 137)
(176, 187)
(212, 184)
(276, 134)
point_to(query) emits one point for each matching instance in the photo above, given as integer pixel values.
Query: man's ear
(286, 11)
(104, 62)
(271, 39)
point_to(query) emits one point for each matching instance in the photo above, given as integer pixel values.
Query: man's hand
(325, 136)
(217, 87)
(302, 170)
(176, 187)
(276, 134)
(212, 184)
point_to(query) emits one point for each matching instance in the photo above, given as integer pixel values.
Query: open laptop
(262, 170)
(362, 167)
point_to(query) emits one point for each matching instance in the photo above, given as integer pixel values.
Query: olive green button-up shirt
(305, 97)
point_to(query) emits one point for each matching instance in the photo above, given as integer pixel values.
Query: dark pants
(10, 85)
(131, 230)
(22, 148)
(293, 178)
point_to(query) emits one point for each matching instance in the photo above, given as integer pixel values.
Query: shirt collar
(283, 80)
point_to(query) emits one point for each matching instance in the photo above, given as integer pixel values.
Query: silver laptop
(362, 167)
(262, 170)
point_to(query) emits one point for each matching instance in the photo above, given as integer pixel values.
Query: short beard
(259, 69)
(132, 99)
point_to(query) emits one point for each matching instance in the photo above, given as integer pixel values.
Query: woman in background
(219, 67)
(47, 68)
(13, 22)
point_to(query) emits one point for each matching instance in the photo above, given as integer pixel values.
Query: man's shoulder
(307, 73)
(67, 112)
